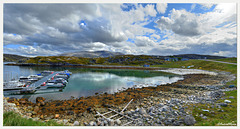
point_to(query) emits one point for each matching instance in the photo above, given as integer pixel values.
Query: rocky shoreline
(164, 105)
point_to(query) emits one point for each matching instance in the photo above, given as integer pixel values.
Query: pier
(41, 81)
(33, 87)
(36, 85)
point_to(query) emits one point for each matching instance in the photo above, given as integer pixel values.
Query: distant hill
(14, 58)
(196, 56)
(93, 54)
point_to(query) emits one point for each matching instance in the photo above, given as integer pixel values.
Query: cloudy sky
(151, 29)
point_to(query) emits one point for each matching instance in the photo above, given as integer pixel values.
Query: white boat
(30, 78)
(61, 76)
(61, 80)
(13, 85)
(46, 72)
(35, 76)
(23, 79)
(67, 72)
(54, 84)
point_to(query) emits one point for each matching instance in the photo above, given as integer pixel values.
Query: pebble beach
(163, 105)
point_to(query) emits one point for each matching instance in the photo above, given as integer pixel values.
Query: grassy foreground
(228, 115)
(231, 60)
(14, 119)
(200, 64)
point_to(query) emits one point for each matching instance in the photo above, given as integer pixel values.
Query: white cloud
(12, 39)
(161, 7)
(181, 22)
(155, 36)
(149, 10)
(31, 51)
(223, 53)
(206, 5)
(108, 27)
(143, 41)
(201, 28)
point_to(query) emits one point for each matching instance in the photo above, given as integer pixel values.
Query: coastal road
(219, 61)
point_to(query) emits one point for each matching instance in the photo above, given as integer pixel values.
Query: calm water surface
(86, 82)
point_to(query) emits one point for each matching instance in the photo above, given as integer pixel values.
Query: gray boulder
(118, 122)
(189, 120)
(165, 108)
(223, 104)
(92, 123)
(231, 97)
(111, 122)
(142, 111)
(76, 123)
(151, 109)
(227, 101)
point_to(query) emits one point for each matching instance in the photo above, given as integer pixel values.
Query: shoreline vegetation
(199, 99)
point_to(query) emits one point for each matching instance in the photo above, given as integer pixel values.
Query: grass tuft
(14, 119)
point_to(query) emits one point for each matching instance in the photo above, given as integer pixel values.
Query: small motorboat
(13, 85)
(54, 84)
(61, 76)
(23, 79)
(46, 72)
(67, 72)
(30, 79)
(35, 76)
(61, 80)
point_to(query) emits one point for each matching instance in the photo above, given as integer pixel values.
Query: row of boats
(46, 79)
(58, 81)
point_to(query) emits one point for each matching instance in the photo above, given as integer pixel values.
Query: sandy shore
(187, 71)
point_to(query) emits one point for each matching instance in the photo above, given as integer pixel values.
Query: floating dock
(33, 87)
(41, 81)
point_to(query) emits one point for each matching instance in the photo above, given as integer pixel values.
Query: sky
(138, 28)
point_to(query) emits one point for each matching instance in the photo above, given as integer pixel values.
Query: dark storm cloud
(58, 25)
(98, 30)
(25, 18)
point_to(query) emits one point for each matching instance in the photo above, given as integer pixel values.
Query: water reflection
(86, 82)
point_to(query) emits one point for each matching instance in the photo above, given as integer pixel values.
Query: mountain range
(13, 58)
(92, 54)
(104, 54)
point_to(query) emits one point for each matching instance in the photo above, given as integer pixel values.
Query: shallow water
(87, 82)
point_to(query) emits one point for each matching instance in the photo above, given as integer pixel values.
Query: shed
(146, 65)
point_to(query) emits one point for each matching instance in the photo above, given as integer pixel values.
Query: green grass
(116, 60)
(229, 116)
(200, 64)
(231, 60)
(14, 119)
(218, 118)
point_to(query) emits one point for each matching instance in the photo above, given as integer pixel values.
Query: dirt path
(219, 61)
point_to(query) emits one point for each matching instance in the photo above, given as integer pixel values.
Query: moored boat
(55, 84)
(13, 85)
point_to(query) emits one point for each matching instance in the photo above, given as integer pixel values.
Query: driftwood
(106, 113)
(126, 106)
(113, 116)
(101, 115)
(121, 114)
(120, 118)
(117, 113)
(127, 123)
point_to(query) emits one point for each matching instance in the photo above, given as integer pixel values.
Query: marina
(25, 85)
(82, 82)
